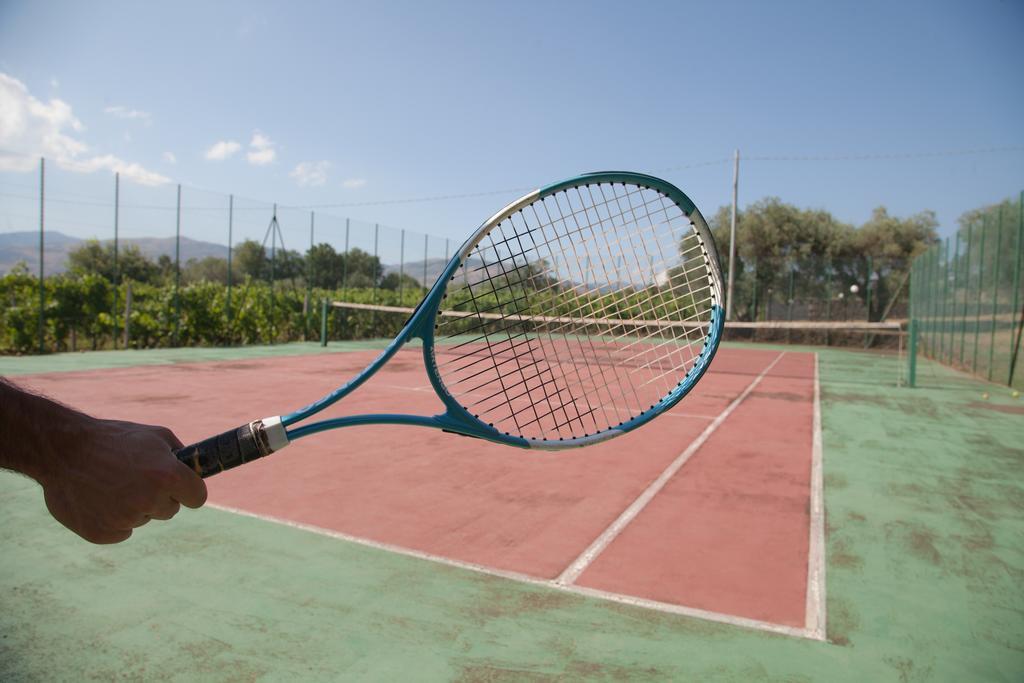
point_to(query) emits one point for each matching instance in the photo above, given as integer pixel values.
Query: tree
(395, 281)
(96, 257)
(891, 243)
(775, 240)
(324, 266)
(360, 268)
(251, 259)
(209, 269)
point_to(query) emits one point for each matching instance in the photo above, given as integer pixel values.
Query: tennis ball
(1015, 394)
(985, 396)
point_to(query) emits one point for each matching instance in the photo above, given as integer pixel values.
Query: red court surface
(727, 534)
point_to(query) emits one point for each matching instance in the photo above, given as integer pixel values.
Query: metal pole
(273, 270)
(995, 294)
(231, 221)
(376, 261)
(177, 270)
(732, 235)
(956, 283)
(912, 369)
(128, 314)
(117, 272)
(867, 288)
(323, 322)
(344, 261)
(1016, 287)
(945, 304)
(309, 277)
(981, 286)
(828, 305)
(401, 270)
(789, 304)
(967, 291)
(42, 223)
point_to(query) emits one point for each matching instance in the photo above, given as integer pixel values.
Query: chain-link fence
(93, 262)
(968, 295)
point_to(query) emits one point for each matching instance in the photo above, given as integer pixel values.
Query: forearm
(37, 436)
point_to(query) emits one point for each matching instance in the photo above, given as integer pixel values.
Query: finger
(188, 488)
(142, 520)
(106, 536)
(165, 509)
(167, 435)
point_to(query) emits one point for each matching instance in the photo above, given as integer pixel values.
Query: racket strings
(530, 347)
(577, 312)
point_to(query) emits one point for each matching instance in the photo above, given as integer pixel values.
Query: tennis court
(799, 516)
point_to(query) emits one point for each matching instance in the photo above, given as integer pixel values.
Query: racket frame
(421, 325)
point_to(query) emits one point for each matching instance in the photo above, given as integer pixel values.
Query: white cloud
(121, 112)
(30, 129)
(261, 150)
(109, 162)
(311, 173)
(353, 183)
(54, 83)
(222, 150)
(170, 158)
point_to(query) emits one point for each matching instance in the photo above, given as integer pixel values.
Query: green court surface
(924, 494)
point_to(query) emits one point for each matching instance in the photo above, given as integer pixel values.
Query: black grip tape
(224, 451)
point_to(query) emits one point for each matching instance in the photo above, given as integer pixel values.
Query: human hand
(117, 476)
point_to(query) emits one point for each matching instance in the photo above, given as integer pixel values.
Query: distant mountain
(24, 246)
(434, 268)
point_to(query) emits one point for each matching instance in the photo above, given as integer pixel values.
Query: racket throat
(270, 433)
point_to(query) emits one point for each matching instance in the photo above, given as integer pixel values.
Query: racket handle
(234, 447)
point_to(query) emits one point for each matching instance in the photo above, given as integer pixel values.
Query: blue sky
(361, 104)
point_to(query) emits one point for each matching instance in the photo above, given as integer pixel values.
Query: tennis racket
(575, 314)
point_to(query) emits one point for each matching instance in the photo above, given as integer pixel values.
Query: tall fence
(967, 296)
(201, 244)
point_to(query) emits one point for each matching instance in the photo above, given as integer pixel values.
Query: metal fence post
(401, 270)
(956, 284)
(177, 270)
(117, 272)
(376, 278)
(42, 283)
(995, 295)
(912, 351)
(323, 322)
(981, 287)
(1016, 292)
(231, 221)
(967, 291)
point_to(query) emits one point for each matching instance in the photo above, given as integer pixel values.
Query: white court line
(577, 567)
(666, 607)
(815, 621)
